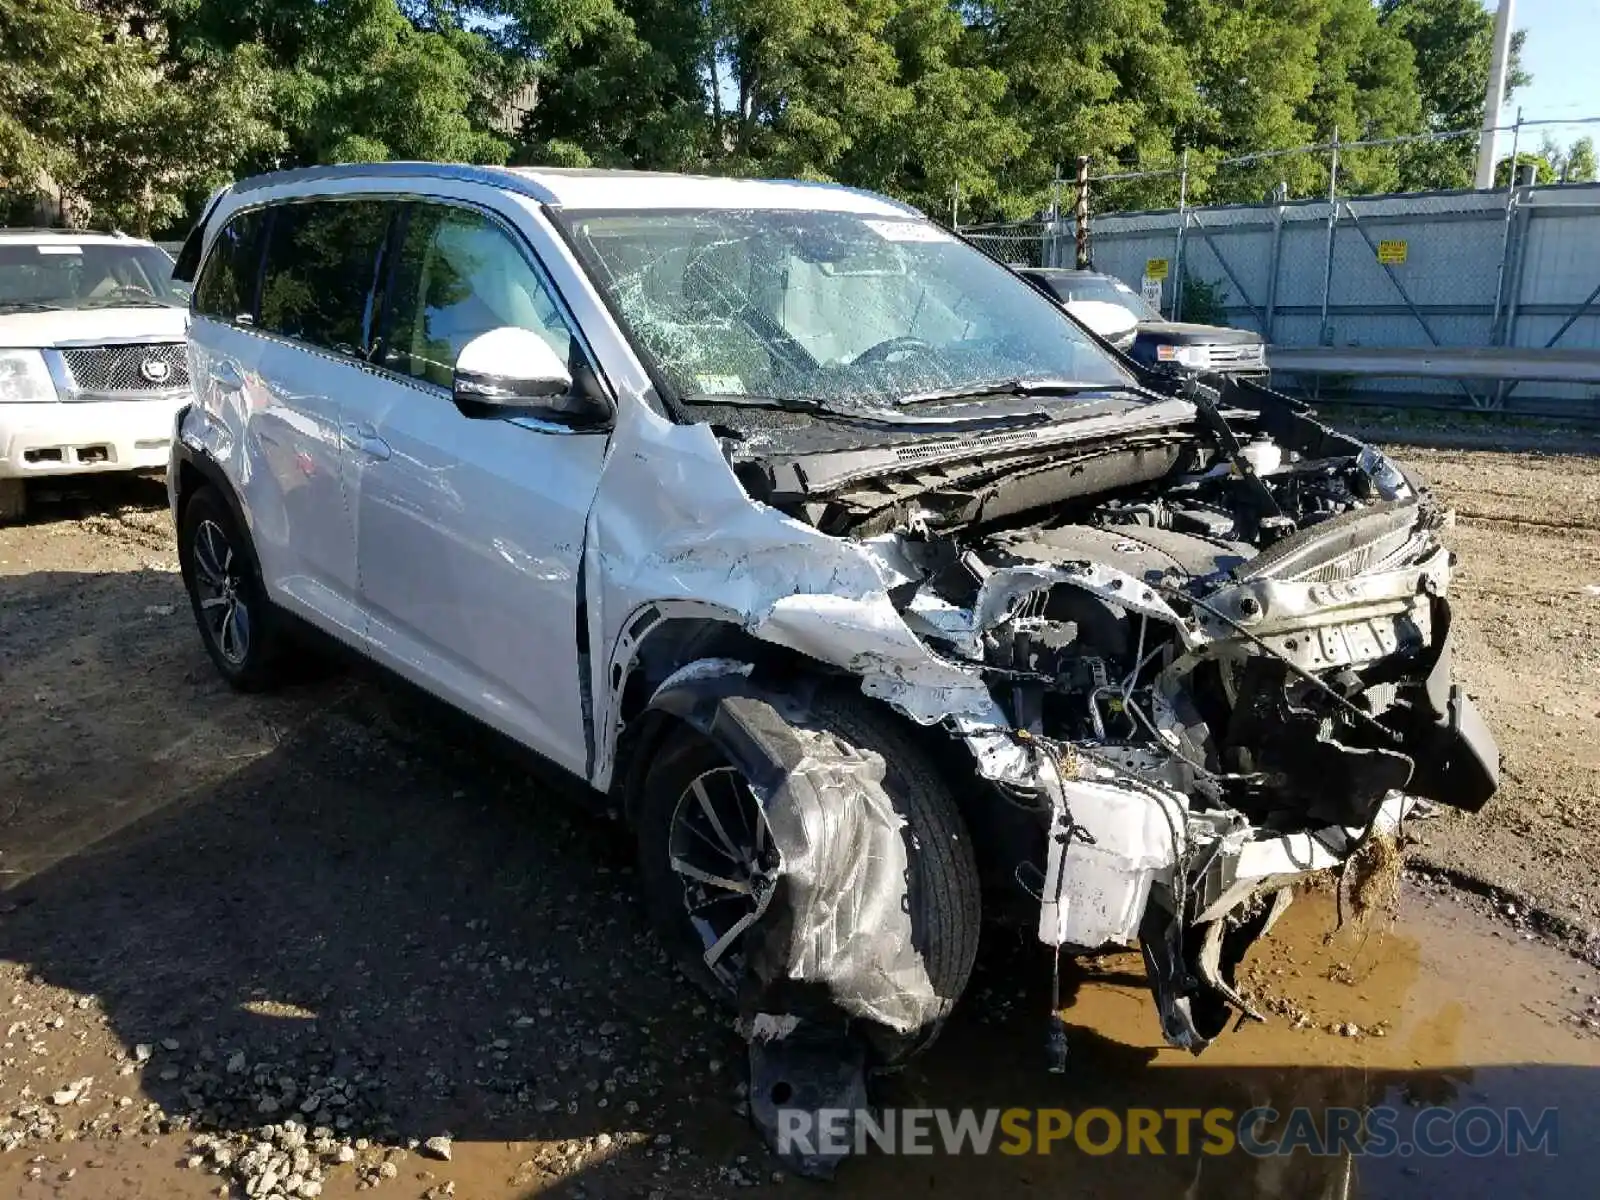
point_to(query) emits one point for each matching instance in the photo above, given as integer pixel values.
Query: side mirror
(514, 371)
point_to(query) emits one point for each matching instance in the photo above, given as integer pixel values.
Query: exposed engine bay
(1220, 644)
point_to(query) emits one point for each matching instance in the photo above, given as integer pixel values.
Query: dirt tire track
(1527, 595)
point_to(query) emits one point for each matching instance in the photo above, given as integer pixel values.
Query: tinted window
(322, 258)
(228, 283)
(458, 275)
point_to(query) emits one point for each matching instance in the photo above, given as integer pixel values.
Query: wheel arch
(658, 641)
(196, 469)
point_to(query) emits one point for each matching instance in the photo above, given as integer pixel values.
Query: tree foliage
(1581, 166)
(1553, 163)
(91, 109)
(135, 107)
(1452, 41)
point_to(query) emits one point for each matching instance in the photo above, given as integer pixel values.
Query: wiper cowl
(865, 413)
(1007, 387)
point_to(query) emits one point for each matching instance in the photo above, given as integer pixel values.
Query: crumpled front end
(1189, 659)
(1214, 686)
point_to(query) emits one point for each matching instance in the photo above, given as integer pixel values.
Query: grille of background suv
(110, 369)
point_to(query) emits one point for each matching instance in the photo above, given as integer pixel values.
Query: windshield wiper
(29, 306)
(1006, 387)
(866, 414)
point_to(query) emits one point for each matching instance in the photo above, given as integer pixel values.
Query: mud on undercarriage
(1217, 658)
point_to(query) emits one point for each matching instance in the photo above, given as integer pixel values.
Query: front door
(470, 530)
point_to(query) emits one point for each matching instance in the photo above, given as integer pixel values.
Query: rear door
(470, 530)
(315, 327)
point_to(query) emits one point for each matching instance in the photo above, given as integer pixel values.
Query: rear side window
(459, 274)
(322, 262)
(227, 287)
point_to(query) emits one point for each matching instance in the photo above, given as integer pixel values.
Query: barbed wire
(1126, 171)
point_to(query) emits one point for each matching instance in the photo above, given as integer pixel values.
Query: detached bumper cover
(1458, 762)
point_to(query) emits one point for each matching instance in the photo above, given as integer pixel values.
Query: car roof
(596, 189)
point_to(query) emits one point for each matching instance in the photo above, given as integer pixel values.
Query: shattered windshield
(842, 310)
(62, 274)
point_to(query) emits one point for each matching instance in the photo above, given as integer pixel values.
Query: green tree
(1366, 88)
(809, 80)
(955, 137)
(354, 80)
(1545, 170)
(1580, 165)
(90, 106)
(1255, 68)
(1108, 79)
(1275, 74)
(621, 83)
(1452, 41)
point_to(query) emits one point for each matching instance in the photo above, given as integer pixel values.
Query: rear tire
(944, 886)
(13, 500)
(243, 632)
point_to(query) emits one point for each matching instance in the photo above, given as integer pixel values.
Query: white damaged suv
(92, 360)
(878, 596)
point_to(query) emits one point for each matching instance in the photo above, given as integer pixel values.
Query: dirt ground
(1527, 598)
(302, 934)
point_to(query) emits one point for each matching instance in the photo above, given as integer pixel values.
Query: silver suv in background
(92, 361)
(877, 595)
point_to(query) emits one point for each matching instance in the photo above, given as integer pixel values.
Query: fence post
(955, 206)
(1080, 214)
(1177, 250)
(1324, 334)
(1050, 238)
(1273, 254)
(1495, 338)
(1516, 139)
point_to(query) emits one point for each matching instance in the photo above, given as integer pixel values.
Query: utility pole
(1080, 214)
(1494, 95)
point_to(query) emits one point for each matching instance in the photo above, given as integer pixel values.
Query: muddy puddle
(1445, 1013)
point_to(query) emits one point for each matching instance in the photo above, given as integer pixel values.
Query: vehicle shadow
(72, 497)
(383, 908)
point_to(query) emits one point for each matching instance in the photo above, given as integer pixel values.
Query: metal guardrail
(1500, 364)
(1368, 298)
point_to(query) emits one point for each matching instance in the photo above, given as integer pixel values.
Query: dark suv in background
(1144, 334)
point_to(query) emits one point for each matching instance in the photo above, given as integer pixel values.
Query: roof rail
(498, 176)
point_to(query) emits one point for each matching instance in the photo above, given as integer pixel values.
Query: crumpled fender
(672, 523)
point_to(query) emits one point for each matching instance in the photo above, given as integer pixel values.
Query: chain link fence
(1024, 243)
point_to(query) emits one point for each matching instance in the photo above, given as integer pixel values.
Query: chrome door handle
(225, 375)
(363, 438)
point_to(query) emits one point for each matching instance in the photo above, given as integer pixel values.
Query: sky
(1562, 53)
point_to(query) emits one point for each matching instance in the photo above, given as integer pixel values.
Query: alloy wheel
(722, 853)
(217, 582)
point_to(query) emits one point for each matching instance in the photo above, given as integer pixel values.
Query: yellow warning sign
(1392, 253)
(1156, 268)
